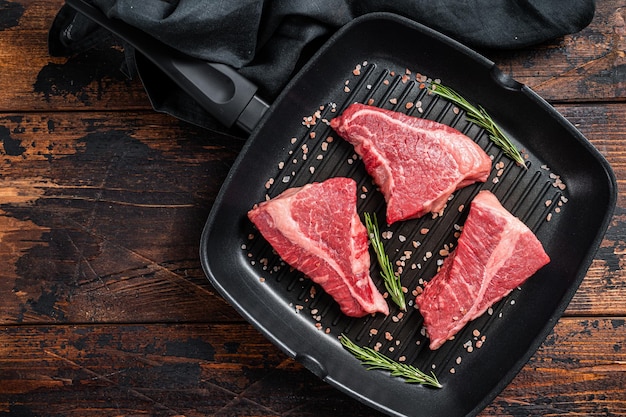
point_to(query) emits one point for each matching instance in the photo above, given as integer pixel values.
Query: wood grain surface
(105, 309)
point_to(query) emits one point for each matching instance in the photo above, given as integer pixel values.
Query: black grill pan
(566, 195)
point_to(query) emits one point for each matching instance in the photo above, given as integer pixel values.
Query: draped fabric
(268, 40)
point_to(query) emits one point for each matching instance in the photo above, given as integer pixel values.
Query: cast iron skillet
(566, 195)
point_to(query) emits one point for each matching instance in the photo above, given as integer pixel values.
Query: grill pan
(566, 195)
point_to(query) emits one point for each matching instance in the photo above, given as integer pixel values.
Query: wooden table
(105, 309)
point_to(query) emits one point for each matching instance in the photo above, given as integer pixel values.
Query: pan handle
(218, 88)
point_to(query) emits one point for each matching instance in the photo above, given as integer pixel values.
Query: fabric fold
(269, 40)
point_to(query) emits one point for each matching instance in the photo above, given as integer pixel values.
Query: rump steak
(316, 229)
(495, 253)
(417, 163)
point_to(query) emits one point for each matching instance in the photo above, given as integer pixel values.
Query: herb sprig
(480, 117)
(392, 281)
(375, 360)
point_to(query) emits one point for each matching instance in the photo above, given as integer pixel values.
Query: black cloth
(268, 40)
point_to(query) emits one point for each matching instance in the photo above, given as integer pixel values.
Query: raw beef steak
(316, 229)
(417, 163)
(495, 253)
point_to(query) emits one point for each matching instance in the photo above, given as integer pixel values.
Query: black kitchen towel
(268, 40)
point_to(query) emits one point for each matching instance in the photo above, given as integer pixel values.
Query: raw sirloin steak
(417, 163)
(316, 229)
(495, 253)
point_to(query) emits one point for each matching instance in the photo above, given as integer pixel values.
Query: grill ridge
(514, 186)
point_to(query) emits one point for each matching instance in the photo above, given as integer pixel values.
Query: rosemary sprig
(375, 360)
(392, 281)
(480, 117)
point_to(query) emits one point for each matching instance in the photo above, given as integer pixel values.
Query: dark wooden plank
(188, 370)
(579, 370)
(232, 370)
(30, 79)
(585, 66)
(101, 217)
